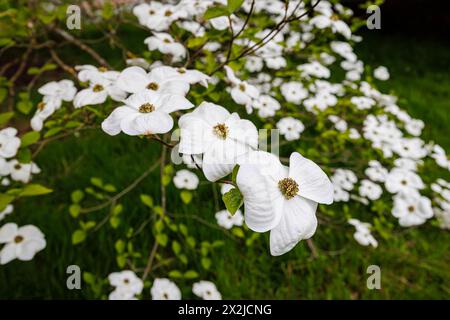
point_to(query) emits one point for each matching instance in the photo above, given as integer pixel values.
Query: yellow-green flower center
(288, 188)
(153, 86)
(102, 69)
(221, 130)
(41, 106)
(97, 88)
(146, 108)
(18, 239)
(242, 87)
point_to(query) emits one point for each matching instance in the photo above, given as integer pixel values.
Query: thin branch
(82, 46)
(61, 63)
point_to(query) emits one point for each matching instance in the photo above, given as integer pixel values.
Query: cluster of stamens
(288, 188)
(146, 108)
(153, 86)
(97, 88)
(221, 130)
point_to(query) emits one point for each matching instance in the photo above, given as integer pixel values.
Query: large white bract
(202, 76)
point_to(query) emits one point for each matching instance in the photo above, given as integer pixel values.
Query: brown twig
(82, 46)
(61, 63)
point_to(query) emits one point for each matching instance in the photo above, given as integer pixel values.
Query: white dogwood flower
(136, 79)
(145, 113)
(290, 128)
(362, 234)
(266, 106)
(127, 285)
(282, 200)
(412, 209)
(242, 92)
(403, 181)
(185, 179)
(164, 289)
(381, 73)
(293, 92)
(220, 136)
(226, 220)
(100, 88)
(370, 190)
(206, 290)
(9, 142)
(22, 171)
(55, 92)
(166, 44)
(20, 243)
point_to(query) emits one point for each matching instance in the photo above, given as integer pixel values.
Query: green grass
(414, 262)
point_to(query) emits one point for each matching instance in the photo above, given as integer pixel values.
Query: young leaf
(34, 190)
(78, 236)
(233, 5)
(214, 12)
(29, 138)
(186, 196)
(233, 200)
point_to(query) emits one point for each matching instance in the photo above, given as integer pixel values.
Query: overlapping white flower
(220, 136)
(362, 234)
(227, 220)
(20, 243)
(127, 285)
(206, 290)
(166, 44)
(145, 113)
(282, 200)
(164, 289)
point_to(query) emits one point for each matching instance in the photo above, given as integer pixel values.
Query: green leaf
(120, 246)
(24, 106)
(206, 263)
(233, 5)
(78, 236)
(29, 138)
(183, 229)
(24, 155)
(5, 116)
(233, 200)
(238, 232)
(147, 200)
(52, 132)
(183, 258)
(97, 182)
(162, 239)
(121, 261)
(196, 42)
(191, 242)
(34, 190)
(176, 247)
(186, 196)
(114, 222)
(216, 11)
(88, 277)
(74, 210)
(159, 226)
(175, 274)
(117, 209)
(77, 196)
(5, 199)
(234, 173)
(109, 188)
(190, 274)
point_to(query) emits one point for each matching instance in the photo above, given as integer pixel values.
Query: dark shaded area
(422, 18)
